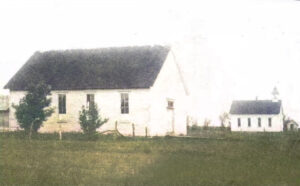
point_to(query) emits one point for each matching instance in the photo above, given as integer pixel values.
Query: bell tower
(275, 94)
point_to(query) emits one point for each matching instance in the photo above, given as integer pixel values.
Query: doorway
(170, 115)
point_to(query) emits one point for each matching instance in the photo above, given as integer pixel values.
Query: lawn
(233, 159)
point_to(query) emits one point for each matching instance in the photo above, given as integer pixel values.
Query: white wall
(168, 85)
(108, 102)
(277, 123)
(4, 100)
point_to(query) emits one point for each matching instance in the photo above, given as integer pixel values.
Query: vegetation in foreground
(236, 159)
(33, 108)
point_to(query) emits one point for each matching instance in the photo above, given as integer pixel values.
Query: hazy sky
(233, 49)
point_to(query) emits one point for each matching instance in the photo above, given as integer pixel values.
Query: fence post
(187, 125)
(133, 130)
(146, 132)
(60, 133)
(116, 125)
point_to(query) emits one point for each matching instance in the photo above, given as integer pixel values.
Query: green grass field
(234, 159)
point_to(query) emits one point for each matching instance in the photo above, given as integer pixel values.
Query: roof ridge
(102, 48)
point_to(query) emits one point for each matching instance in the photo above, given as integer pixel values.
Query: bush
(34, 108)
(90, 119)
(194, 127)
(206, 124)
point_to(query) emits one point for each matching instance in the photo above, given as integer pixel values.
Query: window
(90, 99)
(61, 103)
(124, 103)
(170, 104)
(259, 122)
(249, 122)
(239, 122)
(270, 122)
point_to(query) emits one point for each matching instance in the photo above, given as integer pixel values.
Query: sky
(227, 50)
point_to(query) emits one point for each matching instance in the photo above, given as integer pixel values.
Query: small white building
(131, 85)
(257, 116)
(291, 125)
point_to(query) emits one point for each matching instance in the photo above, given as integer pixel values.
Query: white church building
(131, 85)
(256, 116)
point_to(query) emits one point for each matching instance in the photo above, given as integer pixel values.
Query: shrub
(206, 124)
(194, 127)
(90, 119)
(34, 108)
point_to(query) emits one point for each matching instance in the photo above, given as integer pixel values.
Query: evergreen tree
(34, 108)
(90, 120)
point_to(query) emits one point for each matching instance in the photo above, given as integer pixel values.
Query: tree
(223, 117)
(34, 108)
(206, 123)
(286, 121)
(90, 120)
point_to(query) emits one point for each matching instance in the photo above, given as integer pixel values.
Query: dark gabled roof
(105, 68)
(255, 107)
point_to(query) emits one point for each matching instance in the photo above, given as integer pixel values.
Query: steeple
(275, 94)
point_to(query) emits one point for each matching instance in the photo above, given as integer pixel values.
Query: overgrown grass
(234, 159)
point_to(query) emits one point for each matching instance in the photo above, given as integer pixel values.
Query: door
(171, 117)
